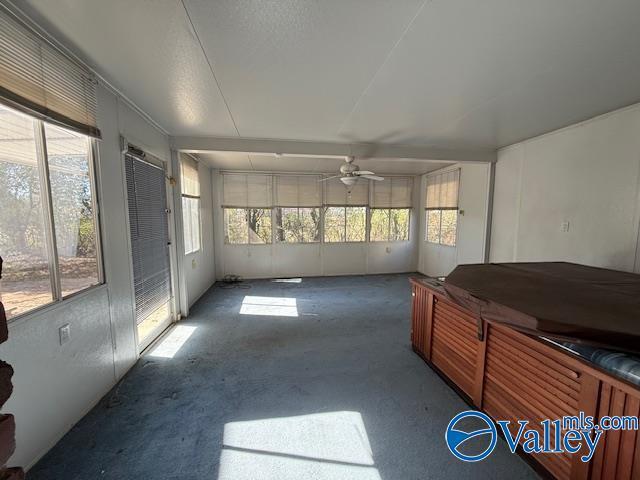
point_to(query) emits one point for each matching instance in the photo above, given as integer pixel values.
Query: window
(298, 199)
(391, 203)
(68, 156)
(190, 185)
(247, 225)
(345, 224)
(389, 224)
(345, 211)
(442, 208)
(48, 228)
(247, 202)
(297, 225)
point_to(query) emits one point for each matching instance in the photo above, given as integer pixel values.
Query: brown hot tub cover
(554, 299)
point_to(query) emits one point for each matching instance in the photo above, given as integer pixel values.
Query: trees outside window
(345, 224)
(247, 225)
(442, 226)
(297, 225)
(48, 227)
(389, 224)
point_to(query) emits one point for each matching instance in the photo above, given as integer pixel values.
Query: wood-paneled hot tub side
(513, 376)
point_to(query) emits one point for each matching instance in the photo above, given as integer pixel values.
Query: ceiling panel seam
(384, 62)
(213, 73)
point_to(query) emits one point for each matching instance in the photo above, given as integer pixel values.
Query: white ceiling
(451, 73)
(271, 163)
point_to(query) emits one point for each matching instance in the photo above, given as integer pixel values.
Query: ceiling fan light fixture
(349, 181)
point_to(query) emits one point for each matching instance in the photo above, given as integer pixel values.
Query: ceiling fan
(350, 172)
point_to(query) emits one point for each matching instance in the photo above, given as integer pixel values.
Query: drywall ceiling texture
(457, 73)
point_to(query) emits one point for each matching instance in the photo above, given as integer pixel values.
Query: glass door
(149, 234)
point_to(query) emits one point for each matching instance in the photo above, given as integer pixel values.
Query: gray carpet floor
(278, 381)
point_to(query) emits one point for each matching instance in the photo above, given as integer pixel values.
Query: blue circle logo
(456, 436)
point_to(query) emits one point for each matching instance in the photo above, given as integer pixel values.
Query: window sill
(298, 243)
(389, 241)
(53, 306)
(355, 242)
(439, 244)
(248, 244)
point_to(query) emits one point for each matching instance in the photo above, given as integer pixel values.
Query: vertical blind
(298, 191)
(149, 229)
(392, 192)
(189, 179)
(442, 190)
(337, 193)
(39, 79)
(247, 190)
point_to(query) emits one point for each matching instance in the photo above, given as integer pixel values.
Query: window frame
(44, 180)
(248, 242)
(192, 197)
(426, 226)
(195, 197)
(366, 224)
(388, 240)
(274, 224)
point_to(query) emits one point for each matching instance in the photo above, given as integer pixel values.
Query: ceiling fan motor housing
(348, 168)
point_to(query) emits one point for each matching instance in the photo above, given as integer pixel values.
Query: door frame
(174, 301)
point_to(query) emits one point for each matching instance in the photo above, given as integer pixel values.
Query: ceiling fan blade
(363, 172)
(329, 178)
(373, 177)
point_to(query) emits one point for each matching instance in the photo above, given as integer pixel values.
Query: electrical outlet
(564, 226)
(65, 333)
(388, 249)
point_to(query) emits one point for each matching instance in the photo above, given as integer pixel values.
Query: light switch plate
(65, 333)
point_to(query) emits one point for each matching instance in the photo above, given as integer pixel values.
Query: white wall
(319, 259)
(587, 175)
(439, 260)
(199, 267)
(54, 385)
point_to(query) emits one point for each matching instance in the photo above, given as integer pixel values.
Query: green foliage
(442, 225)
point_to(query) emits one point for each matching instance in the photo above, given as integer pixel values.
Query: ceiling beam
(363, 150)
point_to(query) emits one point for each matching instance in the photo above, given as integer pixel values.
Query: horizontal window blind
(392, 192)
(442, 190)
(337, 193)
(146, 194)
(298, 191)
(190, 181)
(247, 190)
(39, 79)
